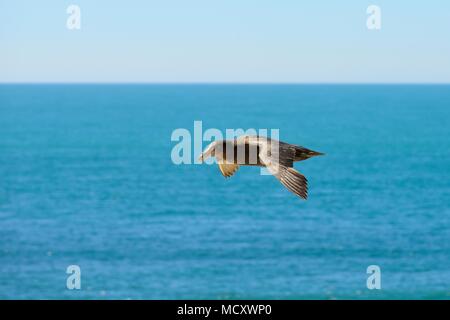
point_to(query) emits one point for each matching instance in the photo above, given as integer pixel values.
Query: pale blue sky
(225, 41)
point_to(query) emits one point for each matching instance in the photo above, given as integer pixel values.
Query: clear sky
(225, 41)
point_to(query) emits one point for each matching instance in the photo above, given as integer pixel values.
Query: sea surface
(86, 179)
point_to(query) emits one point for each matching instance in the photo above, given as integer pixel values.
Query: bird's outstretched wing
(279, 161)
(293, 180)
(228, 169)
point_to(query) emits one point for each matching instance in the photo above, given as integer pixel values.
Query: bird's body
(278, 157)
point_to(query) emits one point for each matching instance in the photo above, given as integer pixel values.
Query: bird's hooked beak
(200, 158)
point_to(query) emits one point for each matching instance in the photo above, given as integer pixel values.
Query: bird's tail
(302, 153)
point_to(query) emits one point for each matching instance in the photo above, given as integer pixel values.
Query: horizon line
(215, 83)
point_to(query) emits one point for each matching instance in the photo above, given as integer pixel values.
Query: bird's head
(210, 151)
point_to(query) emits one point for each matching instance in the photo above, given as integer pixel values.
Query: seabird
(277, 156)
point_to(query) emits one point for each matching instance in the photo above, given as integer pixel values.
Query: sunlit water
(86, 178)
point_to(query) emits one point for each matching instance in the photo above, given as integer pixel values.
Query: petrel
(277, 156)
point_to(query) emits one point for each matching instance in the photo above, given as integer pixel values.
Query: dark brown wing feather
(280, 166)
(294, 181)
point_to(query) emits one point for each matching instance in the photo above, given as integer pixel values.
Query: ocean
(87, 179)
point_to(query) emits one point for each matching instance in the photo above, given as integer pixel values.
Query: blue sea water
(86, 179)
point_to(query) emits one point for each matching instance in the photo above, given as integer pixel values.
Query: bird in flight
(277, 156)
